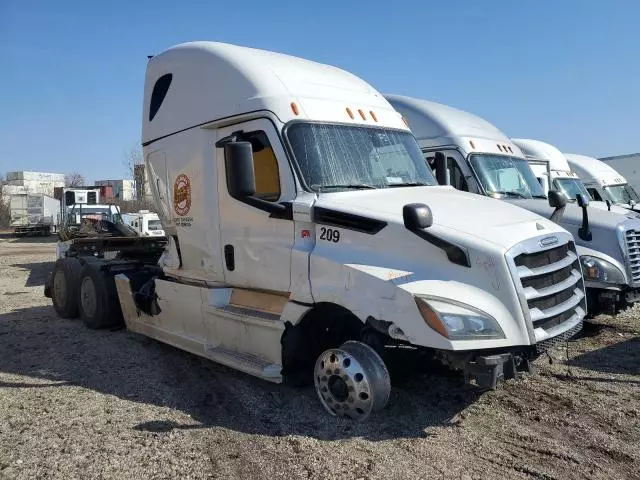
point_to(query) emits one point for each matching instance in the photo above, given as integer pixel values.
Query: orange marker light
(350, 113)
(362, 114)
(294, 108)
(373, 115)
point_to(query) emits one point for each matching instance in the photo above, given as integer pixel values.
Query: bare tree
(134, 162)
(74, 179)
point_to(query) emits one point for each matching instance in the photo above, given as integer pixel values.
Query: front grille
(552, 285)
(632, 238)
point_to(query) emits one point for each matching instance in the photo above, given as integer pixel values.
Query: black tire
(98, 299)
(65, 281)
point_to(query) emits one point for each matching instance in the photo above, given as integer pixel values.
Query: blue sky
(566, 72)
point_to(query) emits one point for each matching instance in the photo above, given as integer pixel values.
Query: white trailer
(603, 182)
(554, 172)
(307, 238)
(34, 214)
(145, 223)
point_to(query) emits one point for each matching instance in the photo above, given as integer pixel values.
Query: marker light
(373, 115)
(350, 113)
(362, 114)
(472, 144)
(294, 108)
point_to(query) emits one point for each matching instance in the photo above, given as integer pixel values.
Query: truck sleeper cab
(554, 173)
(306, 235)
(481, 159)
(603, 182)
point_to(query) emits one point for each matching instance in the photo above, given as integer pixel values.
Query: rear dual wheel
(98, 299)
(64, 287)
(352, 381)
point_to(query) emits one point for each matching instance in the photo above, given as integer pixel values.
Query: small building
(28, 182)
(121, 189)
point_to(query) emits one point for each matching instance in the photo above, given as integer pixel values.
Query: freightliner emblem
(546, 241)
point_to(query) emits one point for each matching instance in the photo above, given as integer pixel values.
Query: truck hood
(492, 220)
(572, 215)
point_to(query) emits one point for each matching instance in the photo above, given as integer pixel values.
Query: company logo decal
(546, 241)
(182, 195)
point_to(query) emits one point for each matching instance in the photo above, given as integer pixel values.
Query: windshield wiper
(511, 192)
(352, 186)
(539, 196)
(407, 184)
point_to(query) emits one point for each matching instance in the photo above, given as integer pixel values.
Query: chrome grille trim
(552, 296)
(632, 244)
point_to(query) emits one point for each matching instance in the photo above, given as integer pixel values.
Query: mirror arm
(455, 253)
(584, 232)
(557, 214)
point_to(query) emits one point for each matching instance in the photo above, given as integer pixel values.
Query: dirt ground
(76, 403)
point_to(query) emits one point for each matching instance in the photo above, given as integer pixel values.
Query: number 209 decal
(329, 234)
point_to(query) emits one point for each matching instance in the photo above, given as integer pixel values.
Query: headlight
(598, 270)
(458, 321)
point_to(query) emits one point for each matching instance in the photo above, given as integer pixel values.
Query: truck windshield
(154, 225)
(571, 187)
(623, 193)
(504, 176)
(344, 157)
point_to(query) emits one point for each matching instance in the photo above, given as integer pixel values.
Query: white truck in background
(144, 222)
(33, 214)
(554, 172)
(626, 165)
(471, 154)
(307, 238)
(603, 182)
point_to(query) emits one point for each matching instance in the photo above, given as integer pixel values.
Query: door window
(594, 194)
(265, 166)
(456, 176)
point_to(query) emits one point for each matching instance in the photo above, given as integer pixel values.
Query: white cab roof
(212, 81)
(537, 150)
(434, 124)
(592, 169)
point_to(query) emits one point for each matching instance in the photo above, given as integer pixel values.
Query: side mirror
(238, 161)
(584, 232)
(442, 172)
(557, 199)
(417, 216)
(582, 200)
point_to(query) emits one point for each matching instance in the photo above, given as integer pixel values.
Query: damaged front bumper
(488, 369)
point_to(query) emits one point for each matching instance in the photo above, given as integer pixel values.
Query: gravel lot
(76, 403)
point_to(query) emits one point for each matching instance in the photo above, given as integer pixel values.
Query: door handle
(229, 258)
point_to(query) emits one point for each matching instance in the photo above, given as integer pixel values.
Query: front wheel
(352, 381)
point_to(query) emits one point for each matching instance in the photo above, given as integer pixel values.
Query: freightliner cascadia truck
(307, 238)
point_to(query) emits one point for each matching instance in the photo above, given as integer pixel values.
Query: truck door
(158, 177)
(257, 245)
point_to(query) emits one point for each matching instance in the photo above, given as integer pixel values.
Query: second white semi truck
(307, 236)
(473, 155)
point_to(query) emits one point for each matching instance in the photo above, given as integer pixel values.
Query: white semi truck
(554, 173)
(33, 214)
(144, 222)
(473, 155)
(603, 182)
(306, 236)
(627, 165)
